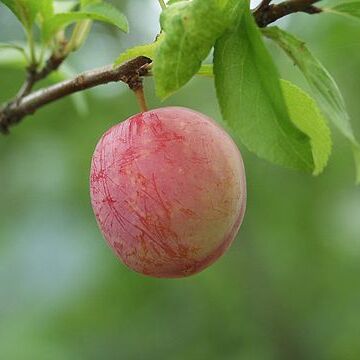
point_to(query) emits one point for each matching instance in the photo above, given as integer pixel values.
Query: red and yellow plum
(168, 191)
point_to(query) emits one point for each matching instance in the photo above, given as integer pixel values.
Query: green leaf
(64, 6)
(322, 85)
(27, 10)
(14, 47)
(24, 10)
(206, 70)
(107, 13)
(348, 9)
(147, 50)
(307, 117)
(191, 29)
(85, 3)
(100, 11)
(45, 9)
(170, 2)
(12, 59)
(251, 99)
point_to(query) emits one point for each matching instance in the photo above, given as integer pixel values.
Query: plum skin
(168, 191)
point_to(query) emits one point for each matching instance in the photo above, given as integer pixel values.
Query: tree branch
(129, 73)
(33, 75)
(26, 103)
(267, 13)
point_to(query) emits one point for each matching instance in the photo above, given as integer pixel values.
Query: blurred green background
(289, 288)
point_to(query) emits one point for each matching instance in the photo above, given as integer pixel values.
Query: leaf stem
(78, 36)
(162, 4)
(42, 54)
(17, 48)
(31, 41)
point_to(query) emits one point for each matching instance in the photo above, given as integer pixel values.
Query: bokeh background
(289, 288)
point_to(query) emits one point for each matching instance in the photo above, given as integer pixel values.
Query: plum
(168, 191)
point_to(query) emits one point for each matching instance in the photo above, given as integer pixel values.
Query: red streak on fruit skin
(168, 191)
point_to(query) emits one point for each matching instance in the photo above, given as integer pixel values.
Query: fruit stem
(140, 97)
